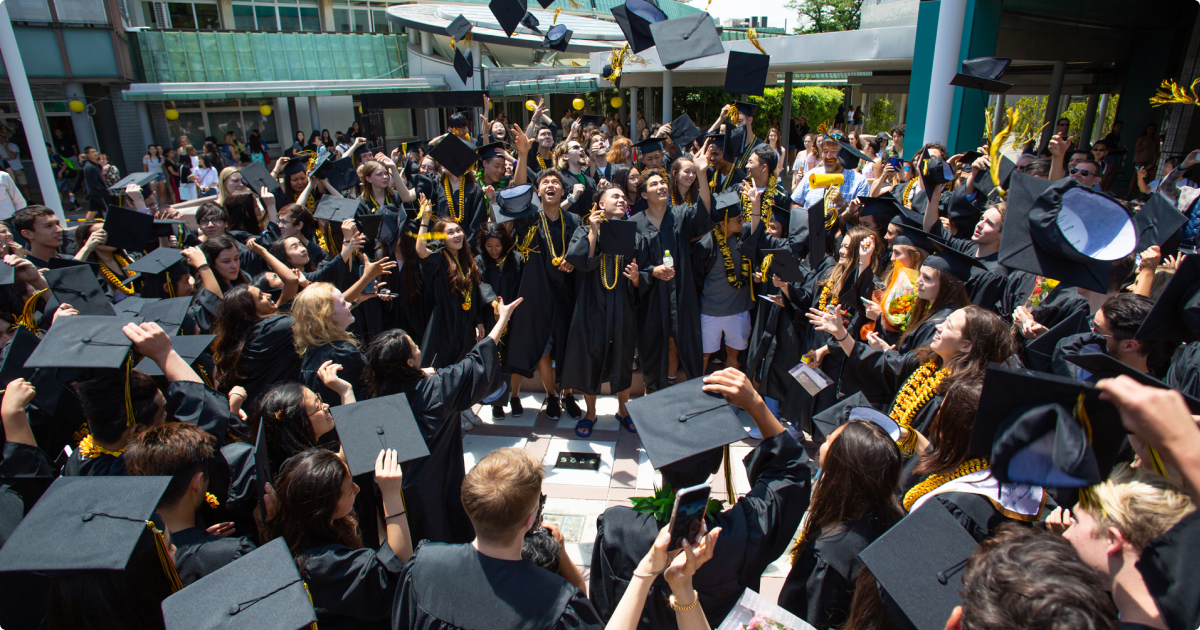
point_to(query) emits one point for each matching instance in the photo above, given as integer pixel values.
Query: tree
(826, 16)
(881, 116)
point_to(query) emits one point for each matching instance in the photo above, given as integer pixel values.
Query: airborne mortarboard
(950, 260)
(635, 17)
(336, 209)
(454, 155)
(459, 28)
(684, 132)
(1159, 223)
(849, 155)
(983, 73)
(259, 590)
(1040, 352)
(619, 237)
(129, 229)
(1176, 313)
(256, 177)
(1065, 231)
(168, 313)
(919, 563)
(107, 520)
(340, 173)
(515, 203)
(318, 163)
(463, 65)
(369, 426)
(491, 150)
(855, 407)
(83, 341)
(884, 208)
(684, 421)
(685, 38)
(189, 347)
(545, 3)
(77, 285)
(784, 264)
(933, 171)
(139, 179)
(1102, 365)
(725, 205)
(558, 38)
(746, 73)
(530, 21)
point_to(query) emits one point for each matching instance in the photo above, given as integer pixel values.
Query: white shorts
(735, 329)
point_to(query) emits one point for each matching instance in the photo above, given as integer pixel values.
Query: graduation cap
(336, 209)
(933, 172)
(83, 341)
(514, 203)
(16, 353)
(1031, 429)
(173, 227)
(8, 274)
(369, 426)
(913, 237)
(949, 260)
(545, 3)
(849, 155)
(158, 261)
(985, 184)
(139, 179)
(530, 21)
(459, 28)
(77, 285)
(508, 13)
(1101, 365)
(256, 176)
(784, 265)
(1158, 223)
(725, 205)
(108, 518)
(1064, 231)
(816, 233)
(590, 120)
(781, 213)
(919, 565)
(168, 313)
(463, 65)
(557, 38)
(189, 347)
(649, 145)
(746, 109)
(128, 229)
(685, 38)
(1168, 567)
(369, 224)
(983, 73)
(261, 589)
(882, 208)
(716, 139)
(619, 237)
(454, 155)
(963, 212)
(298, 163)
(746, 73)
(1176, 313)
(683, 421)
(315, 164)
(684, 132)
(489, 151)
(340, 174)
(635, 17)
(1039, 352)
(855, 407)
(735, 142)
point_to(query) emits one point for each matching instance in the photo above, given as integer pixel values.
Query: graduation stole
(466, 305)
(766, 201)
(917, 390)
(525, 245)
(712, 183)
(540, 160)
(685, 199)
(731, 272)
(462, 206)
(934, 482)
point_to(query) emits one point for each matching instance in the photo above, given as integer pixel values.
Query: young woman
(246, 217)
(628, 180)
(112, 175)
(295, 221)
(854, 503)
(254, 347)
(620, 153)
(381, 185)
(294, 418)
(204, 177)
(326, 139)
(307, 193)
(604, 327)
(433, 485)
(171, 173)
(773, 141)
(229, 182)
(619, 131)
(111, 260)
(351, 585)
(939, 293)
(221, 254)
(686, 189)
(500, 267)
(152, 162)
(459, 313)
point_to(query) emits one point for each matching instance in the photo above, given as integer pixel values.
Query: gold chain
(917, 390)
(462, 207)
(766, 201)
(933, 482)
(555, 258)
(604, 271)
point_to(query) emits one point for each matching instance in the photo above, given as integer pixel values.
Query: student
(459, 312)
(500, 266)
(726, 262)
(254, 346)
(321, 315)
(294, 419)
(43, 232)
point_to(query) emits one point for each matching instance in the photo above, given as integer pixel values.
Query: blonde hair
(313, 315)
(1138, 503)
(221, 179)
(501, 491)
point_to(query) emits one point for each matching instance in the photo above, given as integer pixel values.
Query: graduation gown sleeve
(203, 309)
(269, 357)
(198, 553)
(351, 588)
(194, 403)
(1168, 567)
(342, 353)
(820, 586)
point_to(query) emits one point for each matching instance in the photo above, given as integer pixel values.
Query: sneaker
(572, 406)
(514, 405)
(553, 408)
(497, 412)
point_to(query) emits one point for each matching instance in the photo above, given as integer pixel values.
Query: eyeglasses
(1096, 329)
(1023, 168)
(210, 221)
(320, 408)
(1082, 171)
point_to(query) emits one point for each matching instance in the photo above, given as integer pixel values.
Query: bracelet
(400, 513)
(690, 607)
(650, 576)
(843, 337)
(202, 267)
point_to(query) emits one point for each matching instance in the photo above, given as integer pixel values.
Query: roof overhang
(278, 89)
(590, 34)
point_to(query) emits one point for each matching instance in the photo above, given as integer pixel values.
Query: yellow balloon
(577, 103)
(77, 106)
(617, 102)
(265, 110)
(172, 114)
(530, 105)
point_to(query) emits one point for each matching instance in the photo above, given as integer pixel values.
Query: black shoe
(514, 404)
(553, 408)
(497, 412)
(572, 407)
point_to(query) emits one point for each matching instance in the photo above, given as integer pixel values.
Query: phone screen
(687, 519)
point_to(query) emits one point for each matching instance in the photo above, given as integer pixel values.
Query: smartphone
(895, 163)
(687, 517)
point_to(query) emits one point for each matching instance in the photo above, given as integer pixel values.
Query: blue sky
(775, 10)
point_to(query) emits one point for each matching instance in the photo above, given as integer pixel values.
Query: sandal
(627, 422)
(583, 428)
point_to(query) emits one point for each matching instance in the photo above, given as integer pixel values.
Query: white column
(668, 89)
(945, 65)
(426, 44)
(477, 59)
(1101, 116)
(633, 110)
(313, 115)
(85, 134)
(29, 114)
(144, 123)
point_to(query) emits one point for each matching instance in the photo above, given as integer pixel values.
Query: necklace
(462, 208)
(112, 277)
(685, 199)
(933, 482)
(906, 197)
(604, 271)
(731, 271)
(825, 297)
(466, 305)
(321, 240)
(88, 449)
(541, 161)
(767, 201)
(917, 390)
(555, 258)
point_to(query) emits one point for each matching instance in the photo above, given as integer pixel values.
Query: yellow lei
(555, 258)
(604, 271)
(933, 482)
(88, 449)
(462, 208)
(766, 201)
(918, 390)
(908, 192)
(112, 277)
(825, 298)
(731, 274)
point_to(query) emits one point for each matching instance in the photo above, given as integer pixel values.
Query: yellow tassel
(1171, 94)
(431, 236)
(129, 419)
(998, 142)
(575, 4)
(164, 558)
(29, 310)
(752, 35)
(556, 12)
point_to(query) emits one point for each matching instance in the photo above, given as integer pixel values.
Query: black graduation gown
(202, 311)
(1184, 373)
(454, 587)
(583, 203)
(545, 315)
(27, 474)
(433, 484)
(820, 586)
(887, 371)
(475, 212)
(1168, 566)
(351, 589)
(450, 330)
(722, 183)
(409, 313)
(505, 281)
(923, 334)
(672, 308)
(198, 553)
(269, 357)
(754, 533)
(343, 353)
(197, 404)
(603, 331)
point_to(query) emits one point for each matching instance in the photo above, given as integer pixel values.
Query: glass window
(207, 16)
(148, 14)
(190, 124)
(243, 17)
(181, 15)
(289, 19)
(341, 20)
(310, 19)
(381, 23)
(362, 21)
(266, 18)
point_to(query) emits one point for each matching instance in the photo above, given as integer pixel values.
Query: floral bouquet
(899, 298)
(754, 612)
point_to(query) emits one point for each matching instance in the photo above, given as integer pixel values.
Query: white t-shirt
(10, 196)
(14, 159)
(205, 177)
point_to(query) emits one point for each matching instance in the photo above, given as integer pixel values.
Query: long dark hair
(242, 210)
(309, 487)
(952, 293)
(950, 432)
(287, 428)
(236, 317)
(410, 274)
(212, 248)
(861, 476)
(278, 249)
(387, 371)
(621, 178)
(991, 342)
(467, 275)
(493, 230)
(693, 191)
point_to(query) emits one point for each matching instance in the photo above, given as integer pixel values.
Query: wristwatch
(570, 198)
(689, 607)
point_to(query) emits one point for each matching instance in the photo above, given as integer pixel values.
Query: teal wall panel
(981, 28)
(922, 70)
(90, 51)
(39, 53)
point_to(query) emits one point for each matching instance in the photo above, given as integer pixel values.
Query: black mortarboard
(919, 565)
(1039, 352)
(746, 73)
(545, 3)
(884, 208)
(735, 142)
(463, 65)
(369, 426)
(746, 109)
(369, 224)
(1101, 365)
(784, 265)
(168, 313)
(255, 176)
(684, 132)
(530, 21)
(1047, 223)
(950, 260)
(963, 212)
(983, 73)
(716, 139)
(16, 353)
(104, 518)
(725, 205)
(158, 261)
(933, 171)
(188, 347)
(1168, 567)
(129, 229)
(77, 285)
(1158, 223)
(130, 307)
(83, 341)
(454, 155)
(140, 179)
(619, 236)
(557, 38)
(590, 120)
(685, 38)
(515, 203)
(913, 237)
(855, 407)
(318, 163)
(781, 212)
(1007, 168)
(1176, 313)
(459, 28)
(336, 209)
(261, 589)
(849, 155)
(649, 145)
(635, 17)
(298, 163)
(1027, 426)
(172, 227)
(489, 151)
(509, 14)
(816, 233)
(340, 174)
(683, 421)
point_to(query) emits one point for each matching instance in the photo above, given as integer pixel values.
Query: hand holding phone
(687, 517)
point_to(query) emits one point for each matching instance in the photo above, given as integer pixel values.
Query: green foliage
(826, 16)
(818, 104)
(663, 502)
(1033, 108)
(881, 117)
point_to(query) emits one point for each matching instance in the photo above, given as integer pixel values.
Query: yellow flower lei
(211, 499)
(908, 192)
(604, 271)
(541, 161)
(466, 305)
(88, 449)
(112, 277)
(933, 482)
(731, 274)
(825, 298)
(462, 207)
(918, 390)
(767, 201)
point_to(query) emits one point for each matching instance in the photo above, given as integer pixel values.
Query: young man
(570, 163)
(598, 166)
(94, 187)
(854, 185)
(42, 230)
(543, 158)
(725, 299)
(487, 583)
(722, 175)
(651, 152)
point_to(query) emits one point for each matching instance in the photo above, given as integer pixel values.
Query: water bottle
(668, 261)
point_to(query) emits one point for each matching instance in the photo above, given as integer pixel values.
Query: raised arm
(291, 283)
(152, 341)
(523, 144)
(424, 217)
(196, 260)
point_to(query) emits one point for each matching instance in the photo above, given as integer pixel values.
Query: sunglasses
(1082, 171)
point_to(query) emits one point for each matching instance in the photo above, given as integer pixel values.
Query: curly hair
(387, 371)
(467, 275)
(309, 487)
(313, 312)
(236, 318)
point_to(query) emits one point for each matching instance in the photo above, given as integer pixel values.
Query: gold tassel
(1171, 94)
(752, 35)
(575, 5)
(431, 236)
(164, 558)
(129, 419)
(170, 285)
(556, 12)
(29, 310)
(997, 143)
